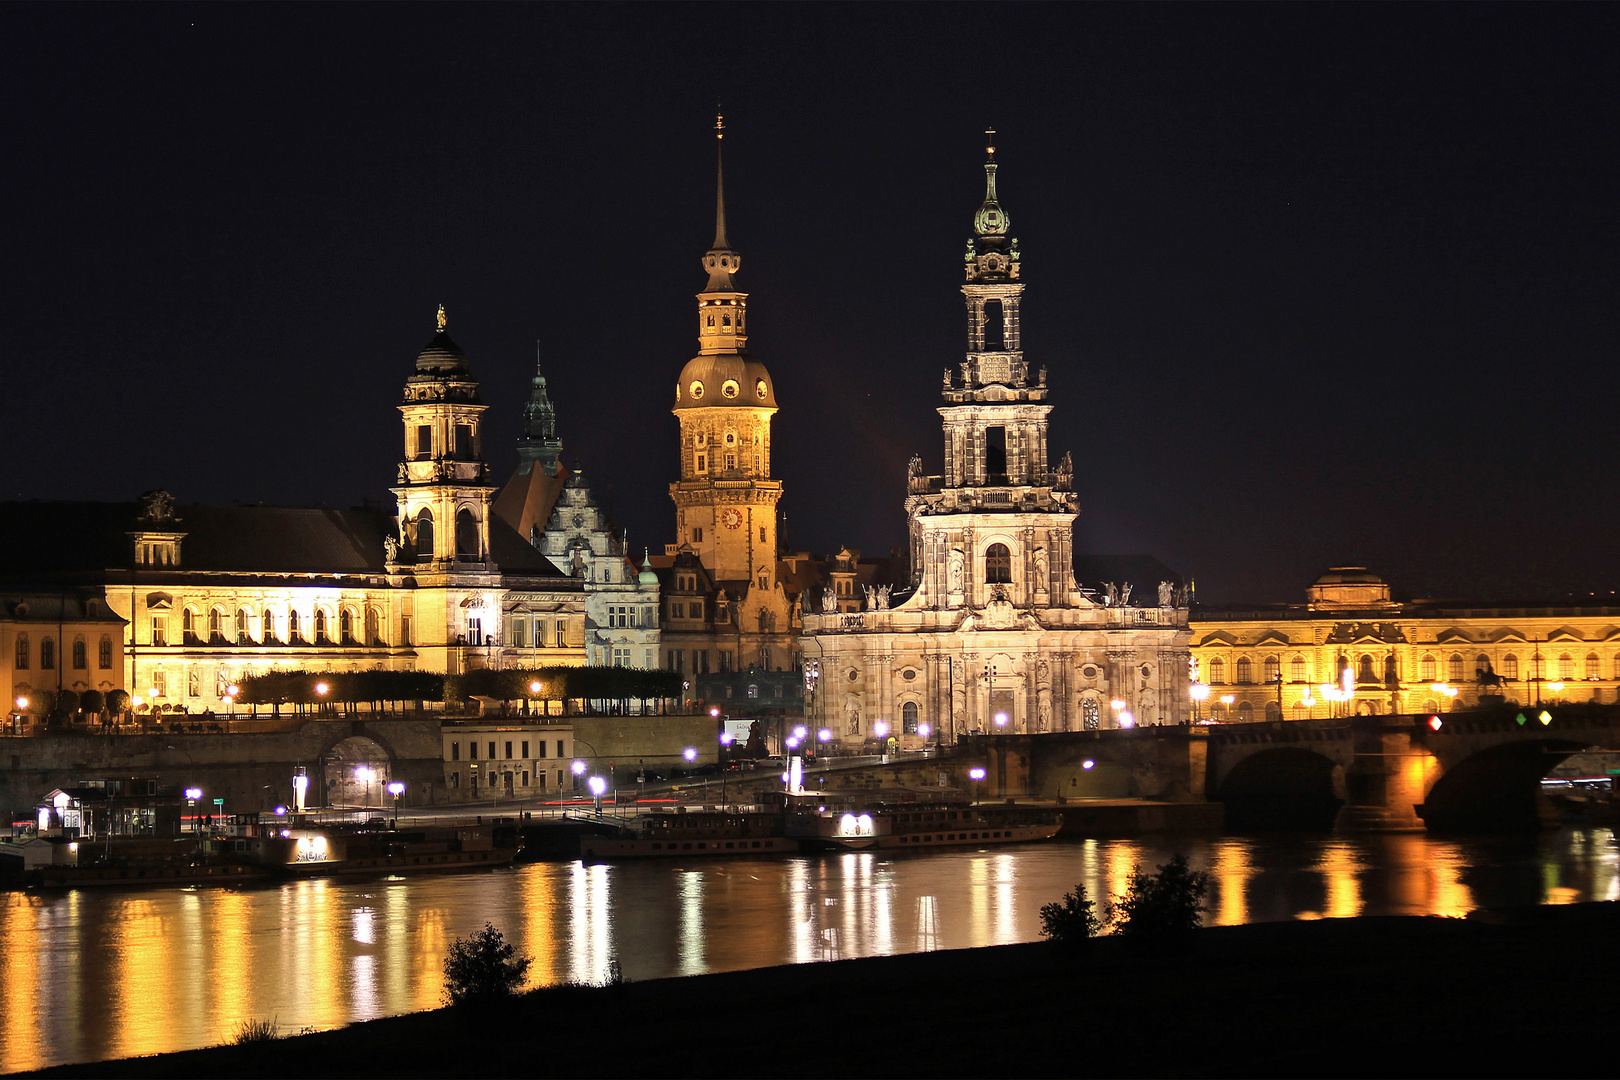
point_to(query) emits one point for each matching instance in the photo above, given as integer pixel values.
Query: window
(541, 746)
(320, 628)
(492, 750)
(761, 530)
(188, 625)
(726, 659)
(80, 659)
(1273, 670)
(677, 660)
(47, 653)
(405, 630)
(475, 630)
(22, 652)
(520, 633)
(702, 463)
(1217, 670)
(472, 749)
(525, 753)
(269, 625)
(455, 751)
(1566, 666)
(160, 682)
(104, 659)
(697, 535)
(621, 657)
(455, 780)
(1364, 668)
(193, 682)
(560, 753)
(464, 441)
(242, 626)
(994, 327)
(424, 441)
(1510, 666)
(1455, 668)
(1245, 712)
(694, 610)
(562, 634)
(1296, 670)
(908, 716)
(764, 581)
(765, 657)
(294, 631)
(1592, 666)
(467, 541)
(997, 565)
(373, 627)
(160, 629)
(424, 536)
(1426, 669)
(216, 625)
(753, 691)
(700, 661)
(1244, 672)
(1091, 713)
(995, 455)
(509, 750)
(1272, 712)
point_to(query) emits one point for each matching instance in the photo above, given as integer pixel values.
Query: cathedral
(1000, 627)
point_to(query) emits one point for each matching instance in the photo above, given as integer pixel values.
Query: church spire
(720, 260)
(719, 183)
(539, 442)
(991, 220)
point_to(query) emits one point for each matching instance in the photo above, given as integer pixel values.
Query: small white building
(510, 760)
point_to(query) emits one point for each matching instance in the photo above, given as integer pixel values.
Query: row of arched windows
(79, 656)
(1456, 668)
(468, 544)
(273, 631)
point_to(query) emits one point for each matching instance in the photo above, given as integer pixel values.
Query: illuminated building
(53, 641)
(724, 605)
(211, 594)
(1001, 627)
(1352, 648)
(514, 759)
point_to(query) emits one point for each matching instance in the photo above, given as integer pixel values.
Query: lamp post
(396, 788)
(597, 786)
(534, 692)
(1226, 711)
(192, 795)
(1199, 694)
(320, 691)
(362, 773)
(976, 775)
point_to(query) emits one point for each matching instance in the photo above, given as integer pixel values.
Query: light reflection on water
(87, 975)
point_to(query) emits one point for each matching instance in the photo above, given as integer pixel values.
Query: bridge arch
(343, 783)
(1495, 790)
(1283, 788)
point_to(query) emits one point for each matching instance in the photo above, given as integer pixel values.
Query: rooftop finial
(442, 319)
(991, 220)
(719, 182)
(990, 143)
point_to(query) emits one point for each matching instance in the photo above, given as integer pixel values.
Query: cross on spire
(990, 141)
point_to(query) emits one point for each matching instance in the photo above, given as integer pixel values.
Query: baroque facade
(994, 631)
(725, 605)
(1352, 648)
(210, 594)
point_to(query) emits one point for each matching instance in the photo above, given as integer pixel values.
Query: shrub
(1160, 911)
(1071, 921)
(255, 1031)
(482, 968)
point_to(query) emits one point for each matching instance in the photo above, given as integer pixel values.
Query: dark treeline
(378, 688)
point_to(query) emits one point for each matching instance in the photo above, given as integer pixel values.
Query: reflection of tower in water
(927, 925)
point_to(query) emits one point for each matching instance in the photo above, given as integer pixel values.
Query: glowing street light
(364, 774)
(192, 795)
(1126, 720)
(881, 729)
(925, 730)
(1226, 702)
(1000, 719)
(396, 788)
(1088, 764)
(1199, 694)
(976, 775)
(792, 742)
(597, 786)
(824, 735)
(800, 732)
(690, 753)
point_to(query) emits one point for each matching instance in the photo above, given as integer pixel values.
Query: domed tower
(443, 484)
(725, 500)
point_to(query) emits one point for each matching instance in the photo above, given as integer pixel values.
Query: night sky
(1314, 284)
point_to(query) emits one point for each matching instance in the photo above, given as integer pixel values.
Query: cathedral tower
(443, 485)
(725, 500)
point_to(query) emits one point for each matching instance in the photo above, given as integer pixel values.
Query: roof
(527, 500)
(441, 354)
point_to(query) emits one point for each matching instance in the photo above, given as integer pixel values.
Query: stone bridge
(1479, 772)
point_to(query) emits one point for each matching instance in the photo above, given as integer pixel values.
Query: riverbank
(1509, 993)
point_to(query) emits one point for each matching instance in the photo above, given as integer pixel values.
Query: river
(93, 974)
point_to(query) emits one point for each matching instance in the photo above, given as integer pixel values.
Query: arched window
(1245, 670)
(1217, 670)
(995, 330)
(1482, 664)
(1273, 669)
(373, 627)
(242, 626)
(269, 625)
(1272, 711)
(47, 653)
(908, 718)
(188, 626)
(81, 659)
(1364, 669)
(104, 660)
(22, 653)
(294, 631)
(320, 628)
(1296, 670)
(1091, 714)
(424, 536)
(346, 626)
(1245, 712)
(997, 565)
(1426, 670)
(467, 546)
(1510, 666)
(1592, 666)
(1455, 668)
(216, 624)
(1566, 666)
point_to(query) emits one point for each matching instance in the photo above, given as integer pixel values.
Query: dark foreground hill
(1522, 993)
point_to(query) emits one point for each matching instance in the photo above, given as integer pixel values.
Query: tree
(117, 701)
(483, 968)
(1070, 922)
(91, 702)
(1160, 911)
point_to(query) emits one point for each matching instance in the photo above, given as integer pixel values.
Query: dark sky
(1314, 283)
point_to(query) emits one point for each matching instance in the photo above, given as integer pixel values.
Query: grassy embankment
(1523, 994)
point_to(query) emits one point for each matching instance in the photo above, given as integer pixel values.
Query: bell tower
(725, 500)
(443, 483)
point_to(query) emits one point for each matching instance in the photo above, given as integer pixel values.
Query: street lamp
(1000, 719)
(362, 773)
(534, 692)
(192, 795)
(597, 786)
(396, 788)
(690, 753)
(1226, 700)
(976, 775)
(1199, 694)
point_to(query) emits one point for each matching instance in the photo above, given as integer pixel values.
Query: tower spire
(991, 220)
(720, 243)
(539, 442)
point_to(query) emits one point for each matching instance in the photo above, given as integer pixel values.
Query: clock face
(731, 518)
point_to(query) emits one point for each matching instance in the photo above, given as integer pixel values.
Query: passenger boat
(679, 833)
(932, 825)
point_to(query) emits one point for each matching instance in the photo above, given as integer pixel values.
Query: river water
(92, 974)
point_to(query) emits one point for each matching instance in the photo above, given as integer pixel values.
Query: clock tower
(725, 500)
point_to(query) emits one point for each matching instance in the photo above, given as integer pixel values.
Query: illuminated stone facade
(725, 608)
(66, 639)
(1351, 648)
(994, 631)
